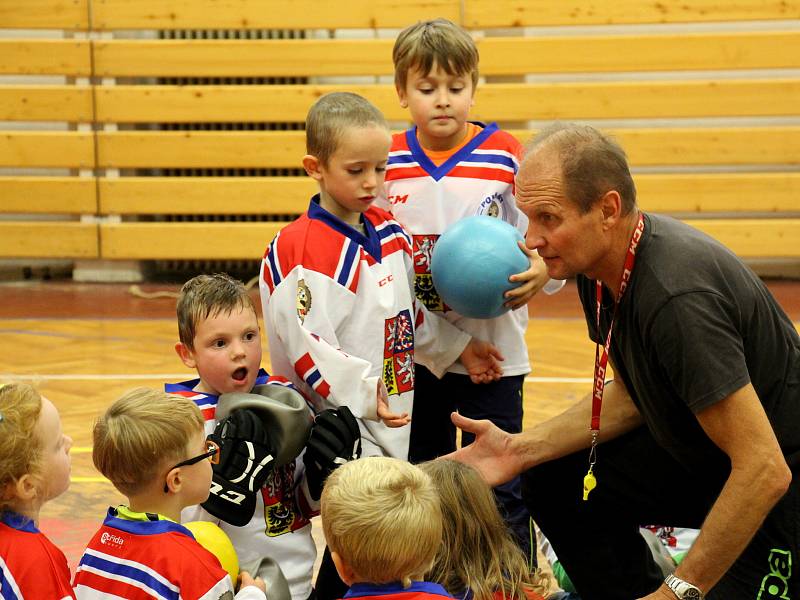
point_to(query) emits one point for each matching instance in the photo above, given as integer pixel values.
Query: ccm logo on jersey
(398, 199)
(385, 280)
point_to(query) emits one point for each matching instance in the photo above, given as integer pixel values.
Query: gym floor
(83, 345)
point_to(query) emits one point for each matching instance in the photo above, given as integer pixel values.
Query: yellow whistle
(589, 483)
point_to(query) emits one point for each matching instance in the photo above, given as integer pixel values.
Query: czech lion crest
(303, 300)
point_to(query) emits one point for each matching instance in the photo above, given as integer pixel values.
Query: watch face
(691, 594)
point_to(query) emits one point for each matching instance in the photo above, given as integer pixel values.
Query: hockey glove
(247, 456)
(335, 440)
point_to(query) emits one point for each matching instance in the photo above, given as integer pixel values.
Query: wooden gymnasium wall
(704, 95)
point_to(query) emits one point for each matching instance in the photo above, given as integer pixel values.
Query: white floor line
(178, 376)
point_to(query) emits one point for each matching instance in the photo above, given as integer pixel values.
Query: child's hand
(245, 579)
(482, 361)
(531, 280)
(389, 418)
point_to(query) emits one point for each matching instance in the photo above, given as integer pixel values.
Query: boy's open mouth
(240, 374)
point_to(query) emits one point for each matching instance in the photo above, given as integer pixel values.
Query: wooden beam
(46, 103)
(48, 239)
(62, 195)
(267, 14)
(242, 58)
(680, 146)
(143, 241)
(749, 238)
(755, 238)
(642, 52)
(205, 195)
(45, 57)
(493, 101)
(45, 14)
(47, 149)
(680, 193)
(715, 193)
(685, 146)
(499, 55)
(530, 13)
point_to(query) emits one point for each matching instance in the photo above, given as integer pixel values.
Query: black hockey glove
(247, 456)
(335, 440)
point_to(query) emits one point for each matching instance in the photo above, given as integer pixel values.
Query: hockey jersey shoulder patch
(315, 247)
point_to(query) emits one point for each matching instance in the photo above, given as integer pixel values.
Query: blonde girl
(478, 559)
(34, 468)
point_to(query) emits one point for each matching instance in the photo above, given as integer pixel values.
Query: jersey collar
(370, 242)
(18, 522)
(438, 172)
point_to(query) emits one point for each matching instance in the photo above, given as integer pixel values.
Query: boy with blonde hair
(154, 450)
(440, 171)
(383, 524)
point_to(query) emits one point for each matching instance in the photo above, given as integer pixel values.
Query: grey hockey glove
(335, 439)
(247, 456)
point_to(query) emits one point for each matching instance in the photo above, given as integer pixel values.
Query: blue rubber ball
(471, 264)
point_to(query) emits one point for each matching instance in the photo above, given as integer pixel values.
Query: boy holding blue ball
(440, 171)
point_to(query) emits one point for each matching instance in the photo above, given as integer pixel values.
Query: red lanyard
(601, 353)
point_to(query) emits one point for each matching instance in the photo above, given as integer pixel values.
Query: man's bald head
(591, 164)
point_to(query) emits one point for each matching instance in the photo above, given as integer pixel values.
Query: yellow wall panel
(267, 14)
(52, 239)
(521, 13)
(231, 241)
(244, 58)
(205, 195)
(755, 238)
(44, 14)
(640, 52)
(47, 149)
(46, 103)
(68, 195)
(45, 57)
(510, 102)
(719, 192)
(281, 149)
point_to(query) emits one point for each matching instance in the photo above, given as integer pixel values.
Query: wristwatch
(683, 589)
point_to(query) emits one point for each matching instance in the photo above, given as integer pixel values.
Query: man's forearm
(745, 500)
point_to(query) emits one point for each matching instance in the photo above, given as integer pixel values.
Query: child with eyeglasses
(154, 450)
(34, 468)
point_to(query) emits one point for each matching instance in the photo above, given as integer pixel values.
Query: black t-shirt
(695, 325)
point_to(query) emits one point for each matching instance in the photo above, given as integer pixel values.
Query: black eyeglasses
(211, 453)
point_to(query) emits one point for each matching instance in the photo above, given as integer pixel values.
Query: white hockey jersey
(478, 179)
(340, 313)
(281, 524)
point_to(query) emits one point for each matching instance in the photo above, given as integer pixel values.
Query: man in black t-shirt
(701, 425)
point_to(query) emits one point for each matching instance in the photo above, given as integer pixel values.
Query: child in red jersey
(154, 450)
(478, 559)
(34, 468)
(383, 525)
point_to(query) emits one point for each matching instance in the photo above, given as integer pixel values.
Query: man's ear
(344, 570)
(312, 166)
(611, 207)
(186, 355)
